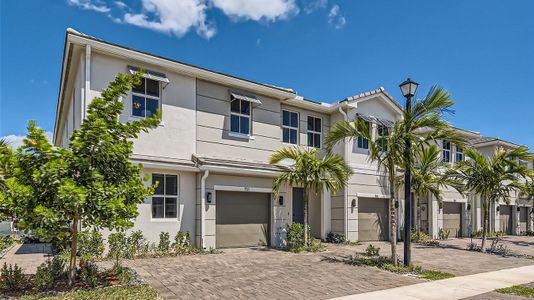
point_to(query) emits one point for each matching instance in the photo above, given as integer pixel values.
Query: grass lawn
(518, 290)
(117, 293)
(435, 275)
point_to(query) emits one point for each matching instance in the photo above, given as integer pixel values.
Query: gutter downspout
(87, 80)
(345, 192)
(203, 209)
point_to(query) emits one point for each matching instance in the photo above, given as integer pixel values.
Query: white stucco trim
(240, 171)
(369, 195)
(232, 188)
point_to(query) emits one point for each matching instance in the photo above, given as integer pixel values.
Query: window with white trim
(290, 127)
(459, 154)
(240, 111)
(314, 132)
(382, 137)
(363, 142)
(446, 147)
(146, 98)
(165, 198)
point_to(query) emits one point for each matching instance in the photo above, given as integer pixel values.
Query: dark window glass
(139, 88)
(152, 87)
(138, 106)
(244, 125)
(157, 207)
(285, 118)
(234, 126)
(170, 208)
(245, 107)
(310, 123)
(152, 106)
(235, 106)
(285, 135)
(294, 120)
(317, 140)
(310, 139)
(317, 125)
(171, 185)
(160, 189)
(293, 136)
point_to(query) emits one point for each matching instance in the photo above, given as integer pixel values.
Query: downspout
(87, 80)
(203, 209)
(345, 191)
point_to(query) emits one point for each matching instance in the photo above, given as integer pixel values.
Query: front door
(298, 205)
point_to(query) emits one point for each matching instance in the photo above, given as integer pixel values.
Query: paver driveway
(261, 274)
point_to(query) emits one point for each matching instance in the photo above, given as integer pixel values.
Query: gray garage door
(452, 218)
(523, 219)
(242, 219)
(506, 218)
(373, 221)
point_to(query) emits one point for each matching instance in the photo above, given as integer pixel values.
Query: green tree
(311, 173)
(55, 190)
(492, 178)
(423, 124)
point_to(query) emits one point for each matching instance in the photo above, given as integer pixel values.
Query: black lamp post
(408, 89)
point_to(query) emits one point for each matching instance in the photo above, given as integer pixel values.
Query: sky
(481, 51)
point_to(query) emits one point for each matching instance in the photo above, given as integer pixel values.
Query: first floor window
(240, 116)
(314, 132)
(165, 199)
(459, 154)
(290, 127)
(446, 151)
(146, 98)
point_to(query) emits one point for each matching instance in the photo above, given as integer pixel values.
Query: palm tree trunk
(393, 221)
(73, 248)
(306, 217)
(485, 222)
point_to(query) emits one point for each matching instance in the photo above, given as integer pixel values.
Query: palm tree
(426, 124)
(491, 178)
(310, 172)
(5, 152)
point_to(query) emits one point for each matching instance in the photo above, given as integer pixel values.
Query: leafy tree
(493, 178)
(311, 173)
(53, 190)
(423, 125)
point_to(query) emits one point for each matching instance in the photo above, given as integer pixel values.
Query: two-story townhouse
(210, 152)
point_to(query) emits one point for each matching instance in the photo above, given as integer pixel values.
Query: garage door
(242, 219)
(523, 219)
(373, 221)
(506, 218)
(452, 218)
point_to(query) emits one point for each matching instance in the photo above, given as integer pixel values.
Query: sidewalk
(454, 288)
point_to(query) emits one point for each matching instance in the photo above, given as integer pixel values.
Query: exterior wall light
(208, 197)
(468, 206)
(353, 203)
(498, 208)
(281, 200)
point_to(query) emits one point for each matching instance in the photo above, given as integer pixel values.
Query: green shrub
(118, 244)
(57, 265)
(443, 234)
(418, 236)
(44, 277)
(88, 273)
(182, 243)
(12, 277)
(372, 251)
(335, 238)
(401, 269)
(138, 245)
(90, 244)
(164, 245)
(529, 233)
(124, 274)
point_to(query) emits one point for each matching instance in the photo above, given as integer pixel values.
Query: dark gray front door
(298, 205)
(505, 212)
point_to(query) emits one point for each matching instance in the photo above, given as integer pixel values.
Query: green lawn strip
(518, 290)
(144, 292)
(435, 275)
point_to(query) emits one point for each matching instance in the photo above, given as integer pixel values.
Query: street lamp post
(408, 89)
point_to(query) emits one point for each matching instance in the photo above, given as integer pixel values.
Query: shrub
(529, 233)
(430, 243)
(295, 238)
(418, 236)
(473, 247)
(90, 244)
(125, 275)
(182, 243)
(443, 234)
(88, 273)
(164, 245)
(11, 278)
(57, 265)
(399, 268)
(335, 238)
(372, 251)
(44, 277)
(117, 246)
(138, 245)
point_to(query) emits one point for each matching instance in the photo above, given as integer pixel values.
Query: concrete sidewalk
(454, 288)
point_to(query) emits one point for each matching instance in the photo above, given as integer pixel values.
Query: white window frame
(443, 150)
(239, 114)
(145, 95)
(291, 127)
(164, 196)
(320, 133)
(456, 153)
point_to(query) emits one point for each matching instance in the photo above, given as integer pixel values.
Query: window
(314, 132)
(362, 142)
(523, 162)
(382, 137)
(290, 127)
(146, 98)
(240, 116)
(459, 154)
(446, 151)
(165, 199)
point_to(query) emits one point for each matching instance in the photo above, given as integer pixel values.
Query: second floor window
(290, 127)
(165, 199)
(314, 132)
(146, 98)
(446, 151)
(459, 154)
(362, 142)
(382, 137)
(240, 116)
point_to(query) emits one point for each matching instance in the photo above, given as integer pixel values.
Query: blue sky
(482, 51)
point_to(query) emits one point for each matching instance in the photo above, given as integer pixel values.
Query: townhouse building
(210, 152)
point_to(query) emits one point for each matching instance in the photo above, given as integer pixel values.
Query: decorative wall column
(326, 214)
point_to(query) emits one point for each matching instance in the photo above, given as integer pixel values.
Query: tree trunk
(73, 248)
(393, 221)
(306, 217)
(485, 224)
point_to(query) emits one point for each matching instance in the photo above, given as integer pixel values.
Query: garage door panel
(373, 221)
(452, 218)
(242, 235)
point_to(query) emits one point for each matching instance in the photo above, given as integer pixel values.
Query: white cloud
(121, 4)
(257, 10)
(15, 141)
(335, 18)
(315, 5)
(90, 5)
